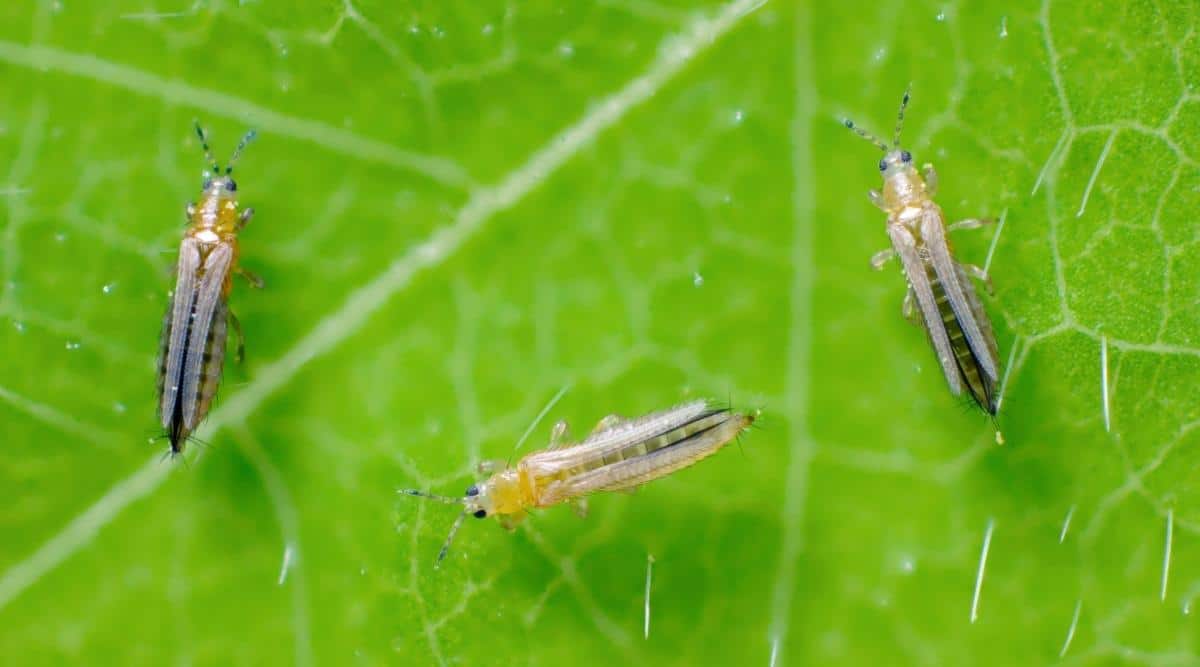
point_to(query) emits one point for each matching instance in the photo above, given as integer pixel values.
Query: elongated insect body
(952, 314)
(192, 350)
(619, 454)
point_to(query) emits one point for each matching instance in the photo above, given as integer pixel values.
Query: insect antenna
(865, 135)
(449, 538)
(449, 500)
(208, 156)
(900, 116)
(237, 152)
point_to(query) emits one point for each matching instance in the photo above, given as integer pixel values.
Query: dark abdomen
(178, 427)
(978, 382)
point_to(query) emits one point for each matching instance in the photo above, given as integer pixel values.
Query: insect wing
(208, 295)
(182, 300)
(934, 234)
(214, 353)
(918, 279)
(661, 462)
(981, 316)
(622, 435)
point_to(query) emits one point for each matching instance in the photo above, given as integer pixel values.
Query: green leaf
(464, 207)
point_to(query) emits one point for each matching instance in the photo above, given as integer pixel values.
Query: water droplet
(438, 31)
(738, 116)
(19, 326)
(727, 199)
(908, 564)
(488, 29)
(362, 571)
(697, 279)
(397, 644)
(119, 408)
(60, 236)
(108, 289)
(566, 49)
(74, 345)
(283, 51)
(941, 17)
(414, 29)
(1187, 608)
(1003, 27)
(880, 54)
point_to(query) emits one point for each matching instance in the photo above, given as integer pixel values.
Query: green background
(464, 206)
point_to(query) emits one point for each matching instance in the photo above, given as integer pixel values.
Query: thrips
(192, 349)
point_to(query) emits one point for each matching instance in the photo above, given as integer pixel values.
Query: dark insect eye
(230, 185)
(479, 514)
(906, 156)
(472, 490)
(883, 165)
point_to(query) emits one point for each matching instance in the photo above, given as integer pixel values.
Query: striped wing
(214, 362)
(914, 269)
(175, 331)
(966, 310)
(712, 433)
(621, 436)
(208, 296)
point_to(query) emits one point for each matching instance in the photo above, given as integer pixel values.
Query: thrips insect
(957, 325)
(192, 350)
(619, 454)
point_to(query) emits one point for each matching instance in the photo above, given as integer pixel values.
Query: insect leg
(879, 259)
(980, 275)
(511, 521)
(189, 211)
(876, 198)
(560, 435)
(909, 308)
(970, 223)
(931, 179)
(489, 466)
(606, 423)
(241, 338)
(254, 279)
(580, 505)
(244, 218)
